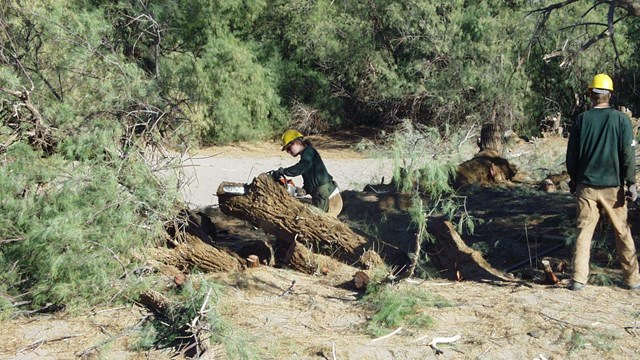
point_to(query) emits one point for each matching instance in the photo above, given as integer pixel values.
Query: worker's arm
(573, 148)
(302, 166)
(628, 153)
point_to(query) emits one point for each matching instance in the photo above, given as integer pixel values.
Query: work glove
(277, 174)
(632, 193)
(572, 186)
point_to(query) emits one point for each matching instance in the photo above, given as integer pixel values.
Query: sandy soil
(206, 169)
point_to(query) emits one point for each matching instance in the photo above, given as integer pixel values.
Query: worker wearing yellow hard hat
(601, 84)
(600, 162)
(317, 181)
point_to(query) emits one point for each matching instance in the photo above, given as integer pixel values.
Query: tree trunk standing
(268, 206)
(490, 137)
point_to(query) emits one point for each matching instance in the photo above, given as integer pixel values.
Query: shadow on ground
(515, 228)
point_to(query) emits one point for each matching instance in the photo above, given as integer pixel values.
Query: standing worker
(600, 161)
(324, 192)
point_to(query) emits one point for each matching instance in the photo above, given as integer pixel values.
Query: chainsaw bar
(235, 189)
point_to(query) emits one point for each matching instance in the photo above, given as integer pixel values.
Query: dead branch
(418, 248)
(441, 340)
(199, 332)
(92, 350)
(41, 342)
(6, 241)
(293, 282)
(632, 8)
(388, 335)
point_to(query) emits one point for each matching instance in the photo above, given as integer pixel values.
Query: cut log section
(456, 259)
(192, 240)
(486, 167)
(267, 205)
(192, 252)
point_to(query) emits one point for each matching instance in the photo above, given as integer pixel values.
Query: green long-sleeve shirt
(311, 167)
(601, 149)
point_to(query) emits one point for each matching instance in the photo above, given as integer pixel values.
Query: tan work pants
(335, 205)
(589, 201)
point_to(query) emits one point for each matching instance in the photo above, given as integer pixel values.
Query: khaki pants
(335, 205)
(327, 198)
(589, 201)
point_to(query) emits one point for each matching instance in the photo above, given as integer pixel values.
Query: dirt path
(241, 163)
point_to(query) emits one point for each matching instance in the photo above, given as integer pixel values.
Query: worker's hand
(572, 186)
(632, 193)
(277, 174)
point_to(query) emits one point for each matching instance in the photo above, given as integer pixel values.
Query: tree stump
(490, 137)
(267, 205)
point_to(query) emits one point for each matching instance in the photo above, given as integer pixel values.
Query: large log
(267, 205)
(191, 252)
(191, 237)
(486, 167)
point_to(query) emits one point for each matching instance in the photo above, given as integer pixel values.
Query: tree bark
(268, 206)
(490, 137)
(192, 238)
(192, 252)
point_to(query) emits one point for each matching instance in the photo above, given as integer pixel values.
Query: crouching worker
(324, 192)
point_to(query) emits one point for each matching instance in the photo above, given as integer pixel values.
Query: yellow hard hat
(289, 136)
(601, 82)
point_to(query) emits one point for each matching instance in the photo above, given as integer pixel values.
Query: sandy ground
(282, 314)
(206, 169)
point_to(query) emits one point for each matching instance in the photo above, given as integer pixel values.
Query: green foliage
(394, 308)
(79, 226)
(599, 341)
(196, 299)
(424, 166)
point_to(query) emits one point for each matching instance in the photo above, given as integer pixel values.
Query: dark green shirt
(314, 173)
(601, 149)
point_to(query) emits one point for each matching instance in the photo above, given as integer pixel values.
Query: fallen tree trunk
(192, 251)
(455, 258)
(192, 241)
(298, 257)
(268, 206)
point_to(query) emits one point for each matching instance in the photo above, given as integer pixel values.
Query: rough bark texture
(456, 259)
(193, 252)
(192, 236)
(490, 137)
(268, 206)
(155, 301)
(486, 167)
(300, 258)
